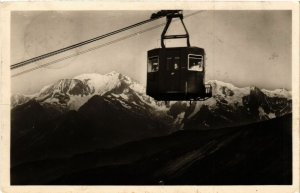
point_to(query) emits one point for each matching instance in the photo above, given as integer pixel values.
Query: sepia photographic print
(150, 97)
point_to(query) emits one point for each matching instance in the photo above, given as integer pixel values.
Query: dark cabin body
(177, 74)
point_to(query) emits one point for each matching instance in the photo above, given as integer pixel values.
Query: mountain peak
(97, 76)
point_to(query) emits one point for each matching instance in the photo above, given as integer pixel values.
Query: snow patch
(51, 100)
(263, 114)
(271, 115)
(124, 96)
(179, 119)
(125, 105)
(115, 95)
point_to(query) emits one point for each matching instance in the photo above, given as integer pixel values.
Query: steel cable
(97, 47)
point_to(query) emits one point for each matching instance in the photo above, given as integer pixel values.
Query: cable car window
(153, 64)
(196, 63)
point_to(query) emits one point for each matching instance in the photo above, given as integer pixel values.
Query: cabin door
(172, 74)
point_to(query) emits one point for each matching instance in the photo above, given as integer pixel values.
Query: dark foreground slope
(259, 153)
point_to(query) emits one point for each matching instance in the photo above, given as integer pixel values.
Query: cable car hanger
(179, 15)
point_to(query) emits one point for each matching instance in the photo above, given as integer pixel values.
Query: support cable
(97, 47)
(17, 65)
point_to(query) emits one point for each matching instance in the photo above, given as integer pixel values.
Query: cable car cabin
(177, 74)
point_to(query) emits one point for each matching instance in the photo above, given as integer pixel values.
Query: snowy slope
(100, 83)
(282, 93)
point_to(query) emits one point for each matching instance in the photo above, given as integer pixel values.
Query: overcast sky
(243, 47)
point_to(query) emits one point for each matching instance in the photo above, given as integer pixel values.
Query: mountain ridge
(228, 104)
(91, 84)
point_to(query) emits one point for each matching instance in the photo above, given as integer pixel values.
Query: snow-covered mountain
(231, 106)
(71, 94)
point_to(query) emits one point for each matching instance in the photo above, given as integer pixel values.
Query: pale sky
(243, 47)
